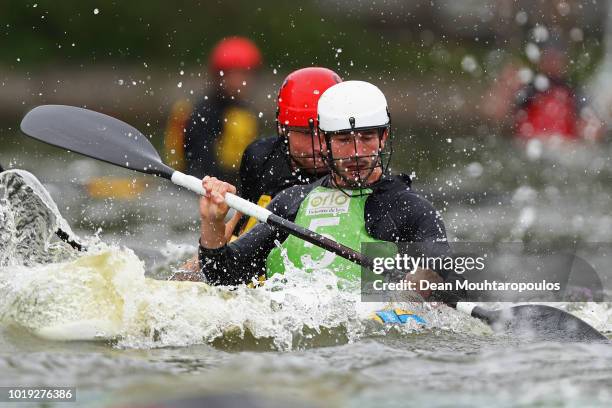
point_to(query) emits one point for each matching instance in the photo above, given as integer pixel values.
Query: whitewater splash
(28, 221)
(105, 293)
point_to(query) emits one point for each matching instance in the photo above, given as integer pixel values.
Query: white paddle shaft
(189, 182)
(466, 307)
(239, 204)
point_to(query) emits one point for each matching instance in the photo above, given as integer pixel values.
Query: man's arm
(402, 216)
(243, 259)
(199, 137)
(430, 231)
(255, 168)
(220, 263)
(248, 174)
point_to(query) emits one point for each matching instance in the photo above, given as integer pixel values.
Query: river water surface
(300, 340)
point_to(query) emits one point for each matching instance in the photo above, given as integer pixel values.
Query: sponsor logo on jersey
(327, 202)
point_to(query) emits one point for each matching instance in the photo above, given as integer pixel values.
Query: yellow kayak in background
(125, 188)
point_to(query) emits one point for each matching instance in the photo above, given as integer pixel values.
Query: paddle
(539, 322)
(105, 138)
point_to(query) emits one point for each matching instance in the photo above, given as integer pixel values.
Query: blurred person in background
(221, 126)
(542, 104)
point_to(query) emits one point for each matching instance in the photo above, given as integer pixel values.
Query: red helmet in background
(234, 53)
(297, 111)
(299, 95)
(549, 113)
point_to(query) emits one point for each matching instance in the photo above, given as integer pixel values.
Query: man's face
(236, 82)
(356, 156)
(305, 149)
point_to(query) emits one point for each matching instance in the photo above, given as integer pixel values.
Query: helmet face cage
(298, 161)
(381, 157)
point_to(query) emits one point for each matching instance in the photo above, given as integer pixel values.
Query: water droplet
(533, 52)
(96, 11)
(180, 85)
(469, 63)
(540, 33)
(521, 18)
(576, 34)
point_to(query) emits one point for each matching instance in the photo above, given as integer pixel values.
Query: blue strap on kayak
(397, 316)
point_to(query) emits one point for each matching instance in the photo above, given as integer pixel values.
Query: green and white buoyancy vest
(331, 213)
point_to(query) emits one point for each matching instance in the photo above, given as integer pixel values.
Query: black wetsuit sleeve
(427, 227)
(249, 171)
(1, 169)
(201, 130)
(242, 260)
(400, 215)
(423, 224)
(245, 258)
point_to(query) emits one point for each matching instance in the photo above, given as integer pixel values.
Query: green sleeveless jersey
(331, 213)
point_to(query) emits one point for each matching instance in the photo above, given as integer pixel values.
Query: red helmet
(234, 53)
(299, 95)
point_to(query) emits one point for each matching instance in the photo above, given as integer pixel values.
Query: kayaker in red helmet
(542, 104)
(221, 125)
(548, 106)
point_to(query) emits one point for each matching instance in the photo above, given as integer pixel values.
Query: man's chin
(354, 173)
(358, 179)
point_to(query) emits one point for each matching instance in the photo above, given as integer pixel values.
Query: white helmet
(352, 105)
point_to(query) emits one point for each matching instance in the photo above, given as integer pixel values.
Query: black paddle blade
(540, 322)
(95, 135)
